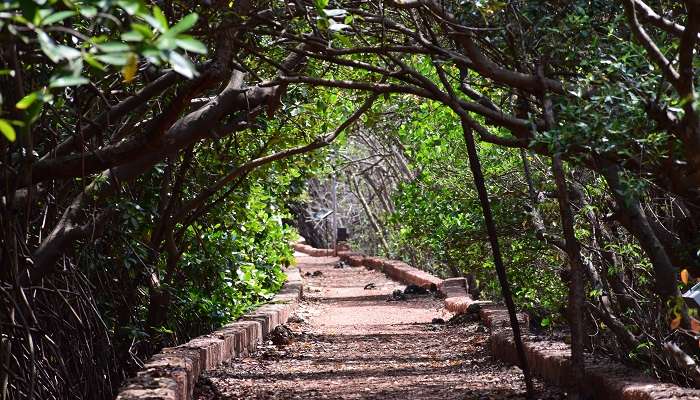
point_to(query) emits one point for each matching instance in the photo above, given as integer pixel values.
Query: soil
(351, 343)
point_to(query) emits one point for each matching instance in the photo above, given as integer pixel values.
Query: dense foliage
(176, 236)
(439, 221)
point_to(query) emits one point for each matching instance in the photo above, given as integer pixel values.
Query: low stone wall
(548, 359)
(172, 373)
(396, 270)
(454, 290)
(312, 251)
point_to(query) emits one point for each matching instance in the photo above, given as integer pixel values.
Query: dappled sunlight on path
(351, 343)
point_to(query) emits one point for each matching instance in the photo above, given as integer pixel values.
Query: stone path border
(172, 373)
(548, 359)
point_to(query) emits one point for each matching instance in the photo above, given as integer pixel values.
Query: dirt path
(350, 343)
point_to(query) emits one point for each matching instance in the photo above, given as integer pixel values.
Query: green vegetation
(154, 156)
(438, 216)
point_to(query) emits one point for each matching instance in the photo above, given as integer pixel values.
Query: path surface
(350, 343)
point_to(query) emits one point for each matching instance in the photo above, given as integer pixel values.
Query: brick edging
(312, 251)
(173, 373)
(397, 270)
(548, 359)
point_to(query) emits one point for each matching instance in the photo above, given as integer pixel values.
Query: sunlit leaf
(90, 59)
(320, 4)
(27, 101)
(88, 12)
(48, 46)
(57, 17)
(182, 65)
(131, 6)
(113, 47)
(7, 130)
(68, 81)
(191, 44)
(160, 18)
(337, 27)
(144, 30)
(68, 53)
(337, 12)
(118, 59)
(184, 25)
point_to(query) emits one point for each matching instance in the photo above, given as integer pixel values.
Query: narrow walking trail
(351, 343)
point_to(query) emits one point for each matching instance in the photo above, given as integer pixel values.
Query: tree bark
(475, 166)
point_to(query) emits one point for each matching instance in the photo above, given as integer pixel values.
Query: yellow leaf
(676, 322)
(684, 276)
(130, 68)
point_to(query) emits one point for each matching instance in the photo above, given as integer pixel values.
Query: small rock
(475, 306)
(281, 336)
(296, 319)
(460, 319)
(415, 290)
(438, 321)
(317, 273)
(370, 286)
(397, 295)
(340, 264)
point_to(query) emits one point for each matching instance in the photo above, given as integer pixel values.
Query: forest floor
(349, 342)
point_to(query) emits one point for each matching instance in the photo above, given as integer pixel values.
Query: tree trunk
(576, 284)
(475, 166)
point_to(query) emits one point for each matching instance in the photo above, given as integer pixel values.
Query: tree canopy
(155, 154)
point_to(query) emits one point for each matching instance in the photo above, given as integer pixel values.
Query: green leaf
(119, 59)
(56, 17)
(68, 53)
(160, 18)
(320, 4)
(27, 101)
(144, 30)
(153, 22)
(114, 47)
(166, 42)
(88, 11)
(64, 81)
(48, 46)
(132, 36)
(182, 65)
(131, 6)
(191, 44)
(7, 130)
(154, 55)
(185, 24)
(322, 23)
(90, 59)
